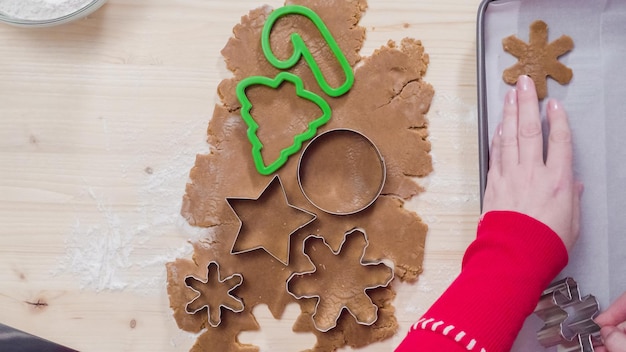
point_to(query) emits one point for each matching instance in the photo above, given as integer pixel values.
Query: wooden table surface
(100, 122)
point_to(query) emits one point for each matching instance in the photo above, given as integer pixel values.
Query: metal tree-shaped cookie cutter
(568, 318)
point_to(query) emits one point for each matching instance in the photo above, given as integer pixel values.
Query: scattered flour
(298, 341)
(126, 249)
(40, 10)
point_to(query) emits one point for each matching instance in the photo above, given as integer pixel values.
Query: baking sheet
(596, 103)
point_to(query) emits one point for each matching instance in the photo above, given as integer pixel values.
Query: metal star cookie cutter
(283, 260)
(215, 318)
(568, 318)
(355, 208)
(344, 306)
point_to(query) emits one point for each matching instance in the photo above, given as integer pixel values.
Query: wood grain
(100, 121)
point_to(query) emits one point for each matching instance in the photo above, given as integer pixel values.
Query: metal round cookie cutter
(341, 172)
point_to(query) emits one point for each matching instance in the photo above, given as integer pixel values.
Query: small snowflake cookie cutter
(281, 257)
(353, 206)
(568, 318)
(214, 311)
(344, 306)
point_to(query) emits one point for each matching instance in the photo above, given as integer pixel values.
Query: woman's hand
(519, 179)
(613, 323)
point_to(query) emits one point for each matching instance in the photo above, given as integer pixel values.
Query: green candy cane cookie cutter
(300, 51)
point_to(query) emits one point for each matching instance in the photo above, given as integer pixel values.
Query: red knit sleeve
(505, 270)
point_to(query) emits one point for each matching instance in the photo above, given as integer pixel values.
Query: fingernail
(554, 104)
(511, 97)
(523, 82)
(499, 129)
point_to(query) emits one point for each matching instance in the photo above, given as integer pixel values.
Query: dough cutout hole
(341, 172)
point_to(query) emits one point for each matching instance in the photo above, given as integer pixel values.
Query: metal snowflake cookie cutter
(353, 190)
(281, 224)
(214, 304)
(568, 318)
(348, 301)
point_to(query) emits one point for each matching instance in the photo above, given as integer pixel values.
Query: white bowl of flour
(43, 13)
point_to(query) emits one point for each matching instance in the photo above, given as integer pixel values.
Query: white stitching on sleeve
(457, 335)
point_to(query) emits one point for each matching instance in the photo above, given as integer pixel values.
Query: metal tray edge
(483, 128)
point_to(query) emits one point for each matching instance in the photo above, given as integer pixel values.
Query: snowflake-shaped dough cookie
(538, 59)
(214, 293)
(340, 280)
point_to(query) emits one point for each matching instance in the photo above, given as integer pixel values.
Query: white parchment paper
(596, 103)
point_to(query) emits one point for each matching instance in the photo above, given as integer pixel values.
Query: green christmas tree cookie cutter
(253, 126)
(300, 51)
